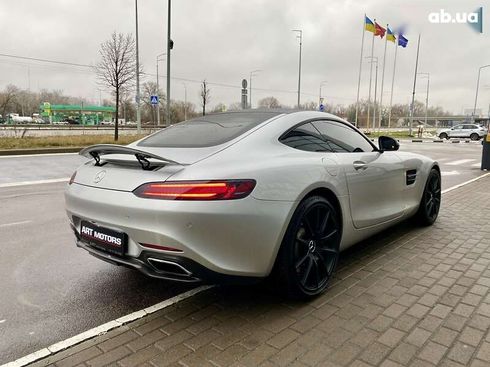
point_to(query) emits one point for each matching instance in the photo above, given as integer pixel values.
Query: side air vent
(411, 176)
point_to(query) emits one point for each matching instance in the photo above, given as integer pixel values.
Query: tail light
(196, 190)
(72, 178)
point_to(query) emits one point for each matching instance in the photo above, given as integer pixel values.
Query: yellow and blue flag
(368, 24)
(390, 36)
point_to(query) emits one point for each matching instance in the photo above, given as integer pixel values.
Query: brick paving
(407, 297)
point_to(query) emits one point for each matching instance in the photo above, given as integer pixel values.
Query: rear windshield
(207, 130)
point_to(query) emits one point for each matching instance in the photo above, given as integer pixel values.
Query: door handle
(360, 165)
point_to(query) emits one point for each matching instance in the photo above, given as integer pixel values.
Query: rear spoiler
(96, 151)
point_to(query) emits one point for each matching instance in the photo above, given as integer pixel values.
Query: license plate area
(104, 239)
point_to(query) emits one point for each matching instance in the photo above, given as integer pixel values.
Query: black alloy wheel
(431, 199)
(310, 249)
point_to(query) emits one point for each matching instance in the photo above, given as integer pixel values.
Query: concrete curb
(102, 329)
(29, 151)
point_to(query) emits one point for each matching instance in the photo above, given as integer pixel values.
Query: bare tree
(205, 96)
(8, 99)
(269, 102)
(117, 68)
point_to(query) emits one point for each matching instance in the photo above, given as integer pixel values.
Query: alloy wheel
(316, 247)
(433, 196)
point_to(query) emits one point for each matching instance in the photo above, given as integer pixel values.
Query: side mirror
(386, 143)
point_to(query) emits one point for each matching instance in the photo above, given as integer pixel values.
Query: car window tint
(469, 127)
(207, 130)
(458, 127)
(342, 138)
(306, 137)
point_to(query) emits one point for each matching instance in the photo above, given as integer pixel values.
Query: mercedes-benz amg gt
(246, 195)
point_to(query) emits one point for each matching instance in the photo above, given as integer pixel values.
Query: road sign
(154, 100)
(322, 107)
(244, 83)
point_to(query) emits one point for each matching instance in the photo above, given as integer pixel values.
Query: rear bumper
(179, 268)
(217, 241)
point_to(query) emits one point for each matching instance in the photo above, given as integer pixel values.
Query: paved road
(50, 285)
(459, 162)
(51, 290)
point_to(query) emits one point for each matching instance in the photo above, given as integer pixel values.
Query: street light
(159, 58)
(170, 45)
(477, 86)
(138, 102)
(252, 73)
(320, 93)
(300, 37)
(427, 95)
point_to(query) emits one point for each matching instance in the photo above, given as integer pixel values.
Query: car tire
(443, 136)
(474, 136)
(431, 200)
(310, 249)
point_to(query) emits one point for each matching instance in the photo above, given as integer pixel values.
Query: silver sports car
(245, 195)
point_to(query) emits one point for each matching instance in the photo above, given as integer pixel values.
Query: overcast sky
(224, 40)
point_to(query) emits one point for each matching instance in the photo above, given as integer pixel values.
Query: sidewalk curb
(102, 329)
(29, 151)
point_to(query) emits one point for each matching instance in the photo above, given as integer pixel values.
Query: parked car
(471, 131)
(245, 195)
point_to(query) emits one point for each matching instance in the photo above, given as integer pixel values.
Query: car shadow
(350, 262)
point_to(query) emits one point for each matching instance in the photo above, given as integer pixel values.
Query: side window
(469, 127)
(341, 138)
(306, 137)
(458, 127)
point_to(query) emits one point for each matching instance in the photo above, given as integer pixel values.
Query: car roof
(282, 111)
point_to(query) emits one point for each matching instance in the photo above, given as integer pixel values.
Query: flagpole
(360, 69)
(382, 80)
(414, 84)
(370, 78)
(392, 84)
(375, 92)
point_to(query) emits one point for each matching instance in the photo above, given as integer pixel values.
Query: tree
(8, 99)
(117, 68)
(205, 96)
(269, 102)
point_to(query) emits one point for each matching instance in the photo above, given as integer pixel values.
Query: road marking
(39, 182)
(476, 165)
(34, 155)
(461, 161)
(465, 183)
(2, 321)
(449, 173)
(102, 329)
(14, 224)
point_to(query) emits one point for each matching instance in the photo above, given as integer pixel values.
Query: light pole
(158, 88)
(320, 93)
(300, 37)
(374, 59)
(252, 73)
(138, 102)
(185, 101)
(477, 86)
(169, 47)
(427, 75)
